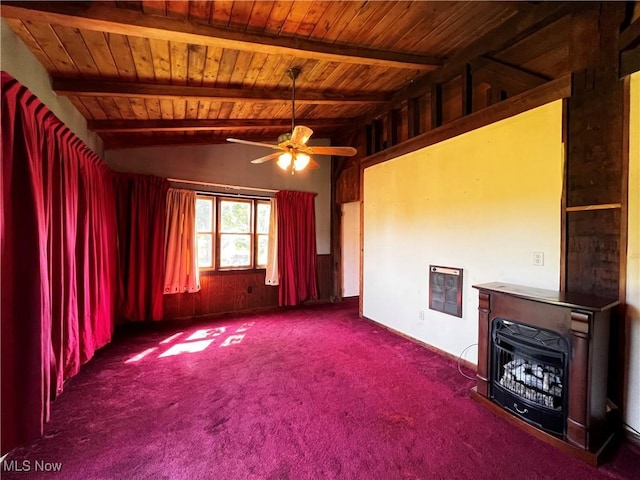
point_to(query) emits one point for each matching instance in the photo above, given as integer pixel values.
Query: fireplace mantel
(584, 320)
(553, 297)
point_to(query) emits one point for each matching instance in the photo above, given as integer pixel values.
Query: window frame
(220, 233)
(257, 235)
(214, 206)
(216, 243)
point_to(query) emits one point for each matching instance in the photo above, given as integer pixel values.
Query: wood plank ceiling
(164, 72)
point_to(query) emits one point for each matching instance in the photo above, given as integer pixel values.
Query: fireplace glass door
(528, 373)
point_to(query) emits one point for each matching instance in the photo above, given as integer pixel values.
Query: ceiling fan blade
(339, 151)
(301, 135)
(258, 144)
(266, 158)
(313, 165)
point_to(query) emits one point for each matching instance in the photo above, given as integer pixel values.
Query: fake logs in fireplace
(527, 375)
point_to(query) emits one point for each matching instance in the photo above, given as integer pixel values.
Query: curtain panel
(180, 249)
(57, 255)
(141, 210)
(297, 259)
(272, 276)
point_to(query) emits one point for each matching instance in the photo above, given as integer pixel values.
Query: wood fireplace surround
(584, 320)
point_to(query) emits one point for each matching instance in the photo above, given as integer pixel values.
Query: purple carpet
(311, 393)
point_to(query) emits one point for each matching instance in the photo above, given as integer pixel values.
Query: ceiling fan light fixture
(284, 160)
(301, 161)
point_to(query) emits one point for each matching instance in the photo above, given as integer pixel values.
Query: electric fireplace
(542, 365)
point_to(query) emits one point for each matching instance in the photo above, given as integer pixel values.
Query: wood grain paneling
(74, 44)
(593, 252)
(325, 277)
(241, 291)
(222, 293)
(21, 29)
(452, 99)
(595, 129)
(348, 185)
(595, 140)
(545, 52)
(480, 97)
(51, 46)
(403, 122)
(101, 53)
(121, 54)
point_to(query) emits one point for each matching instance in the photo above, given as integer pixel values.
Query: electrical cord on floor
(460, 361)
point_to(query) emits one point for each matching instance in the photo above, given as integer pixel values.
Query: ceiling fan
(293, 152)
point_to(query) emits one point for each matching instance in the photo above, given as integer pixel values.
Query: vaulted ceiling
(171, 72)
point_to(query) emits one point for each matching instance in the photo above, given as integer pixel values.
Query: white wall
(632, 411)
(350, 233)
(21, 64)
(229, 164)
(484, 202)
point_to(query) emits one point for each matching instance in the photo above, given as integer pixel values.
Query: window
(205, 208)
(233, 233)
(262, 232)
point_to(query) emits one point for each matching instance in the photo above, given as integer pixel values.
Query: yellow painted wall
(484, 202)
(632, 410)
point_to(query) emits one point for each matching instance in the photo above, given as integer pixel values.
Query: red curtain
(297, 260)
(57, 252)
(141, 208)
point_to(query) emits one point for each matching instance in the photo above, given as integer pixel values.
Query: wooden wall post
(595, 171)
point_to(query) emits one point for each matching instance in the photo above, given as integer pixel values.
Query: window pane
(264, 211)
(205, 258)
(235, 250)
(263, 244)
(204, 214)
(235, 216)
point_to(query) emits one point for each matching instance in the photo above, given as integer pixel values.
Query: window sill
(238, 271)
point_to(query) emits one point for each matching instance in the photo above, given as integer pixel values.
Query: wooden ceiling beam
(119, 141)
(97, 16)
(132, 126)
(99, 88)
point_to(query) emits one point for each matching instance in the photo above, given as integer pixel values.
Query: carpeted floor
(311, 393)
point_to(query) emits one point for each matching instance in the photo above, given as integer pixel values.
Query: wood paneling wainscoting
(325, 278)
(223, 293)
(236, 291)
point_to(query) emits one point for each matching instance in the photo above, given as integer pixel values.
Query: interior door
(350, 239)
